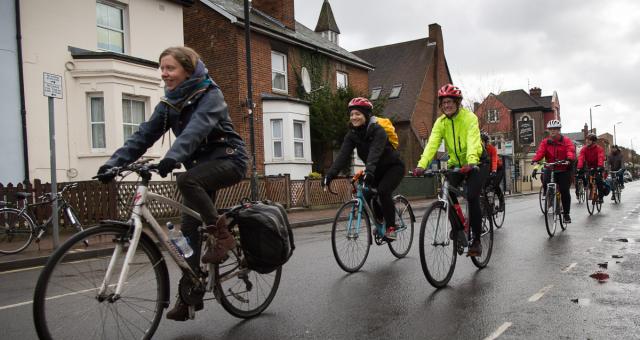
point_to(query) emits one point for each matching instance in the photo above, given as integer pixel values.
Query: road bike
(593, 194)
(616, 188)
(553, 210)
(351, 233)
(439, 244)
(496, 204)
(18, 227)
(119, 286)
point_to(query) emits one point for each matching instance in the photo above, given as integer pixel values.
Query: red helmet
(360, 102)
(449, 91)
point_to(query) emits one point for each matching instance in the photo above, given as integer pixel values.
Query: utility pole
(252, 137)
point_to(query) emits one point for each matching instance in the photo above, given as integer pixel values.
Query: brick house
(516, 122)
(280, 48)
(409, 75)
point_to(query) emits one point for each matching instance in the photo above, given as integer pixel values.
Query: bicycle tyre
(542, 199)
(440, 239)
(401, 246)
(14, 222)
(62, 310)
(617, 194)
(486, 238)
(591, 201)
(550, 213)
(349, 210)
(560, 215)
(499, 214)
(580, 190)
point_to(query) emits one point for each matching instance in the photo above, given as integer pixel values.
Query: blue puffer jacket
(197, 114)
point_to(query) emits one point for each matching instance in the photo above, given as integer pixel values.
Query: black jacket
(372, 146)
(615, 161)
(202, 126)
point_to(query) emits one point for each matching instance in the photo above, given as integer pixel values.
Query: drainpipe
(23, 110)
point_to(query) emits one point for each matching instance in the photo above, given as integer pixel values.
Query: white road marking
(537, 296)
(20, 270)
(498, 331)
(569, 267)
(49, 298)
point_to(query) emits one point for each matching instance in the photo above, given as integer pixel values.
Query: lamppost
(615, 141)
(591, 119)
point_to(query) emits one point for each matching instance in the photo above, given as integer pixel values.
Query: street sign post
(52, 88)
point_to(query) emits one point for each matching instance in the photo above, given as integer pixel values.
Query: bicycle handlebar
(431, 173)
(141, 167)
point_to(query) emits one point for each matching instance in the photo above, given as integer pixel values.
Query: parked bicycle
(18, 227)
(553, 211)
(439, 245)
(593, 194)
(119, 286)
(351, 233)
(616, 187)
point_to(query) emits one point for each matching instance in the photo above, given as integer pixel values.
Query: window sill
(280, 91)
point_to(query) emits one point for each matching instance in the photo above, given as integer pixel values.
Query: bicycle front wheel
(351, 237)
(617, 194)
(580, 191)
(486, 238)
(243, 292)
(437, 249)
(401, 246)
(16, 231)
(499, 209)
(592, 198)
(542, 199)
(68, 304)
(550, 216)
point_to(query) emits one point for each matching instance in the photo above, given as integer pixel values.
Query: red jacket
(593, 155)
(556, 150)
(496, 162)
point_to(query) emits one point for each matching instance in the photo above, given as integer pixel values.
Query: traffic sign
(52, 85)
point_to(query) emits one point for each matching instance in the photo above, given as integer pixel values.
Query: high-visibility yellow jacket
(461, 138)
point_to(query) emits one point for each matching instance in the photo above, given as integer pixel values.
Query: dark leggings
(198, 187)
(563, 180)
(386, 182)
(475, 182)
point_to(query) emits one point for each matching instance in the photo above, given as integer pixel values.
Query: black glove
(493, 174)
(104, 175)
(326, 181)
(165, 166)
(534, 174)
(368, 178)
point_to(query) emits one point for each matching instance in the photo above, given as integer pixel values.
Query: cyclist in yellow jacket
(459, 129)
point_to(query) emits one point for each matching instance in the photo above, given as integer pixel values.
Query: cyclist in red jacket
(592, 157)
(558, 148)
(496, 174)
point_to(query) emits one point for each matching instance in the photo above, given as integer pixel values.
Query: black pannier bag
(265, 235)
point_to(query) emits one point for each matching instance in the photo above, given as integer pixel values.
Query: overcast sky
(586, 50)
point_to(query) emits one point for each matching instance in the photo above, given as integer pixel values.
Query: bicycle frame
(140, 209)
(446, 198)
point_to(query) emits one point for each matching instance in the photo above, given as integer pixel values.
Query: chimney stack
(281, 10)
(535, 92)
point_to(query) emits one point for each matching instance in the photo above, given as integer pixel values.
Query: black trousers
(386, 182)
(198, 187)
(563, 180)
(475, 183)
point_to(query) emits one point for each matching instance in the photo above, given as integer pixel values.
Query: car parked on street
(627, 176)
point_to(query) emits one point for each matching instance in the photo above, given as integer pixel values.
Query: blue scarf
(198, 80)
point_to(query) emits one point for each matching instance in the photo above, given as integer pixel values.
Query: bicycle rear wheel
(243, 292)
(401, 246)
(350, 238)
(437, 250)
(542, 199)
(16, 231)
(66, 304)
(550, 216)
(486, 238)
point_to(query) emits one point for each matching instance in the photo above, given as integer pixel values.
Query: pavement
(37, 254)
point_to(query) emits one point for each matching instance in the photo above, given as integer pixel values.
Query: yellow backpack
(388, 128)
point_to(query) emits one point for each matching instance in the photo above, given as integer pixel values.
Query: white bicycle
(118, 286)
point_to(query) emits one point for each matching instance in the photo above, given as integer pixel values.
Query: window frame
(391, 96)
(493, 113)
(90, 97)
(298, 140)
(373, 90)
(285, 73)
(131, 98)
(123, 31)
(346, 79)
(277, 139)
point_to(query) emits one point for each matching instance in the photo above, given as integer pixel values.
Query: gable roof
(405, 64)
(519, 100)
(302, 36)
(326, 21)
(545, 102)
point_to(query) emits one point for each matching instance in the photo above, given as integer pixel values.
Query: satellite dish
(306, 80)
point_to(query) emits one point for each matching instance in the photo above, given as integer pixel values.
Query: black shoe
(475, 249)
(567, 218)
(600, 200)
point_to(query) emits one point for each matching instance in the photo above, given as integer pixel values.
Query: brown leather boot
(180, 311)
(223, 243)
